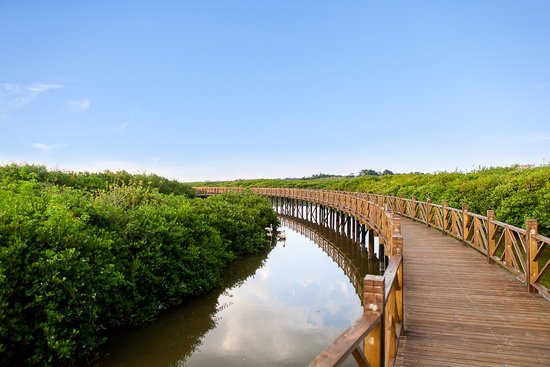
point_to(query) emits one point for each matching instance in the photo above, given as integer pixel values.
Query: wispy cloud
(126, 123)
(121, 127)
(38, 88)
(81, 104)
(47, 147)
(14, 96)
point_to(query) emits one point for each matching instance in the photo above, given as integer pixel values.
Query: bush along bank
(75, 264)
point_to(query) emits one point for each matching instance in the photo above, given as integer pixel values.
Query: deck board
(462, 311)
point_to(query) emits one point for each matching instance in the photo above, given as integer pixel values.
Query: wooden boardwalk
(462, 311)
(459, 309)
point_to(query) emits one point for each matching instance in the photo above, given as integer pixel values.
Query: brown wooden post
(413, 207)
(532, 270)
(428, 210)
(444, 224)
(373, 302)
(465, 221)
(397, 244)
(491, 243)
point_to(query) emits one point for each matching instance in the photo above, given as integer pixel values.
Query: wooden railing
(524, 252)
(373, 338)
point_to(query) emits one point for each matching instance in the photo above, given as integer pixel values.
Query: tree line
(515, 193)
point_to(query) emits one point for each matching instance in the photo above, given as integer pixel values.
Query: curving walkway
(462, 311)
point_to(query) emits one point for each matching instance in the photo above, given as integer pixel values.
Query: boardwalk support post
(532, 270)
(373, 301)
(371, 243)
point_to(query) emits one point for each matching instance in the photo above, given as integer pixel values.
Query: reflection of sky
(289, 311)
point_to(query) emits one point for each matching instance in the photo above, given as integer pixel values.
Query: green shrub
(75, 264)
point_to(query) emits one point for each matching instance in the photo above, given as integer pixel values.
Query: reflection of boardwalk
(461, 311)
(346, 253)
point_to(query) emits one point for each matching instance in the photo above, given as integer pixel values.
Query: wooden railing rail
(524, 252)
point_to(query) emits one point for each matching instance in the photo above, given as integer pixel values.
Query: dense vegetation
(92, 181)
(515, 194)
(82, 254)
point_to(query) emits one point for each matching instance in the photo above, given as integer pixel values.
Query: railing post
(413, 208)
(491, 243)
(373, 302)
(445, 210)
(465, 222)
(428, 211)
(532, 271)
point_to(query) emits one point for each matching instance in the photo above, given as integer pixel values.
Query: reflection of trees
(344, 251)
(178, 332)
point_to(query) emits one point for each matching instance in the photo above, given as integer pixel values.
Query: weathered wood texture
(462, 311)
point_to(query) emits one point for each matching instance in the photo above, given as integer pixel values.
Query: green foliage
(92, 181)
(75, 264)
(241, 218)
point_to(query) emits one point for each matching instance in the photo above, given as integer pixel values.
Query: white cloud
(14, 96)
(45, 147)
(81, 104)
(41, 88)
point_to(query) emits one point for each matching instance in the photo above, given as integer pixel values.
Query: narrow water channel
(280, 308)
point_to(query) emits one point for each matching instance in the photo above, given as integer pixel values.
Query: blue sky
(205, 90)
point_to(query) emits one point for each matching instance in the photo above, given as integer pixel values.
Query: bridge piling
(371, 243)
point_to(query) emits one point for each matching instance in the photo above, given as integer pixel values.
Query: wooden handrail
(378, 329)
(349, 342)
(524, 252)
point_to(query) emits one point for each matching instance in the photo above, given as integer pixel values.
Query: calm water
(277, 309)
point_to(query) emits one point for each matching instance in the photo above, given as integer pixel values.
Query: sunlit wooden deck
(462, 311)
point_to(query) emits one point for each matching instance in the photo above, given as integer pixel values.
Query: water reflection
(276, 309)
